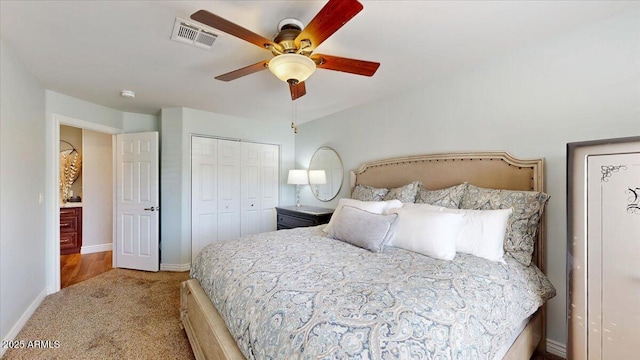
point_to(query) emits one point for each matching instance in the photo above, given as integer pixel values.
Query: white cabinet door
(137, 201)
(613, 228)
(204, 193)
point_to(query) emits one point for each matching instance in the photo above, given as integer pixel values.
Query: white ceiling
(92, 50)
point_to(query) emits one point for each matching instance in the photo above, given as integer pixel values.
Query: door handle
(151, 208)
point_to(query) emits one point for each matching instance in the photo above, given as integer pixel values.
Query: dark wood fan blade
(330, 18)
(352, 66)
(230, 28)
(247, 70)
(298, 90)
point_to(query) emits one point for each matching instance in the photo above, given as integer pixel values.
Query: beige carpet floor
(121, 314)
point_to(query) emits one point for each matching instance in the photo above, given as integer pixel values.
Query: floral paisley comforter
(295, 294)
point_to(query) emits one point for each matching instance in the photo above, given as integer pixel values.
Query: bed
(358, 304)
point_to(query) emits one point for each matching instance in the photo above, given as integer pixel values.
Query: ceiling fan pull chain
(294, 126)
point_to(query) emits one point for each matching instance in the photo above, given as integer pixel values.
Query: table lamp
(297, 178)
(317, 177)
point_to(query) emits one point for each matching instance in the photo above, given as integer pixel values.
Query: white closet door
(204, 193)
(269, 195)
(260, 164)
(228, 189)
(613, 227)
(250, 188)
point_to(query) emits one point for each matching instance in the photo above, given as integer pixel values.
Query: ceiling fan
(293, 46)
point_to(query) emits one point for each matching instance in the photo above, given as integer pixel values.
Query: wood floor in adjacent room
(75, 268)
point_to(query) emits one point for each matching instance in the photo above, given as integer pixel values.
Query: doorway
(86, 204)
(92, 197)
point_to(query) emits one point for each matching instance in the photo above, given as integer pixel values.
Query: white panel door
(270, 185)
(613, 227)
(137, 202)
(250, 192)
(204, 193)
(228, 189)
(260, 180)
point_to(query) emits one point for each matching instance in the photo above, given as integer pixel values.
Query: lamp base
(298, 195)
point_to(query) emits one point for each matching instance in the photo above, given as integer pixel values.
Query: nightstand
(290, 217)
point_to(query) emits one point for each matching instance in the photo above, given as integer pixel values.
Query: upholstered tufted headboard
(496, 170)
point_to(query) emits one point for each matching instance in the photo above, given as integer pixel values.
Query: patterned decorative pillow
(406, 193)
(368, 193)
(522, 226)
(449, 197)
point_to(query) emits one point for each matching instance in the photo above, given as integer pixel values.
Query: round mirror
(325, 174)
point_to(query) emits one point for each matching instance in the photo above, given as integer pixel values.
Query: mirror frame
(341, 169)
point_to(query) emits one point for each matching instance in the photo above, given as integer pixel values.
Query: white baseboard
(175, 267)
(23, 320)
(556, 348)
(96, 248)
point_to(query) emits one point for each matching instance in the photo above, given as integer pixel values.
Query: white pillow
(376, 207)
(482, 233)
(425, 231)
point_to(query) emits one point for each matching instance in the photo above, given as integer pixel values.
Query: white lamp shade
(298, 177)
(292, 67)
(317, 177)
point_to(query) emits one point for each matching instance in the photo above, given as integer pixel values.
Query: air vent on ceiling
(193, 34)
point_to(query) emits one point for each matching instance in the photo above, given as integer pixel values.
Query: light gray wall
(133, 122)
(177, 125)
(582, 86)
(62, 104)
(22, 180)
(172, 233)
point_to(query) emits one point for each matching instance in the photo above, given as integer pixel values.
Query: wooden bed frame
(207, 331)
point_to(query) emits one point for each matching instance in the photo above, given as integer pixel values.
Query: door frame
(577, 264)
(52, 251)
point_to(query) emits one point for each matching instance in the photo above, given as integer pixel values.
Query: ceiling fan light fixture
(287, 67)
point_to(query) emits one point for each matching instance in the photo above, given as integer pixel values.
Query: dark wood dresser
(290, 217)
(70, 230)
